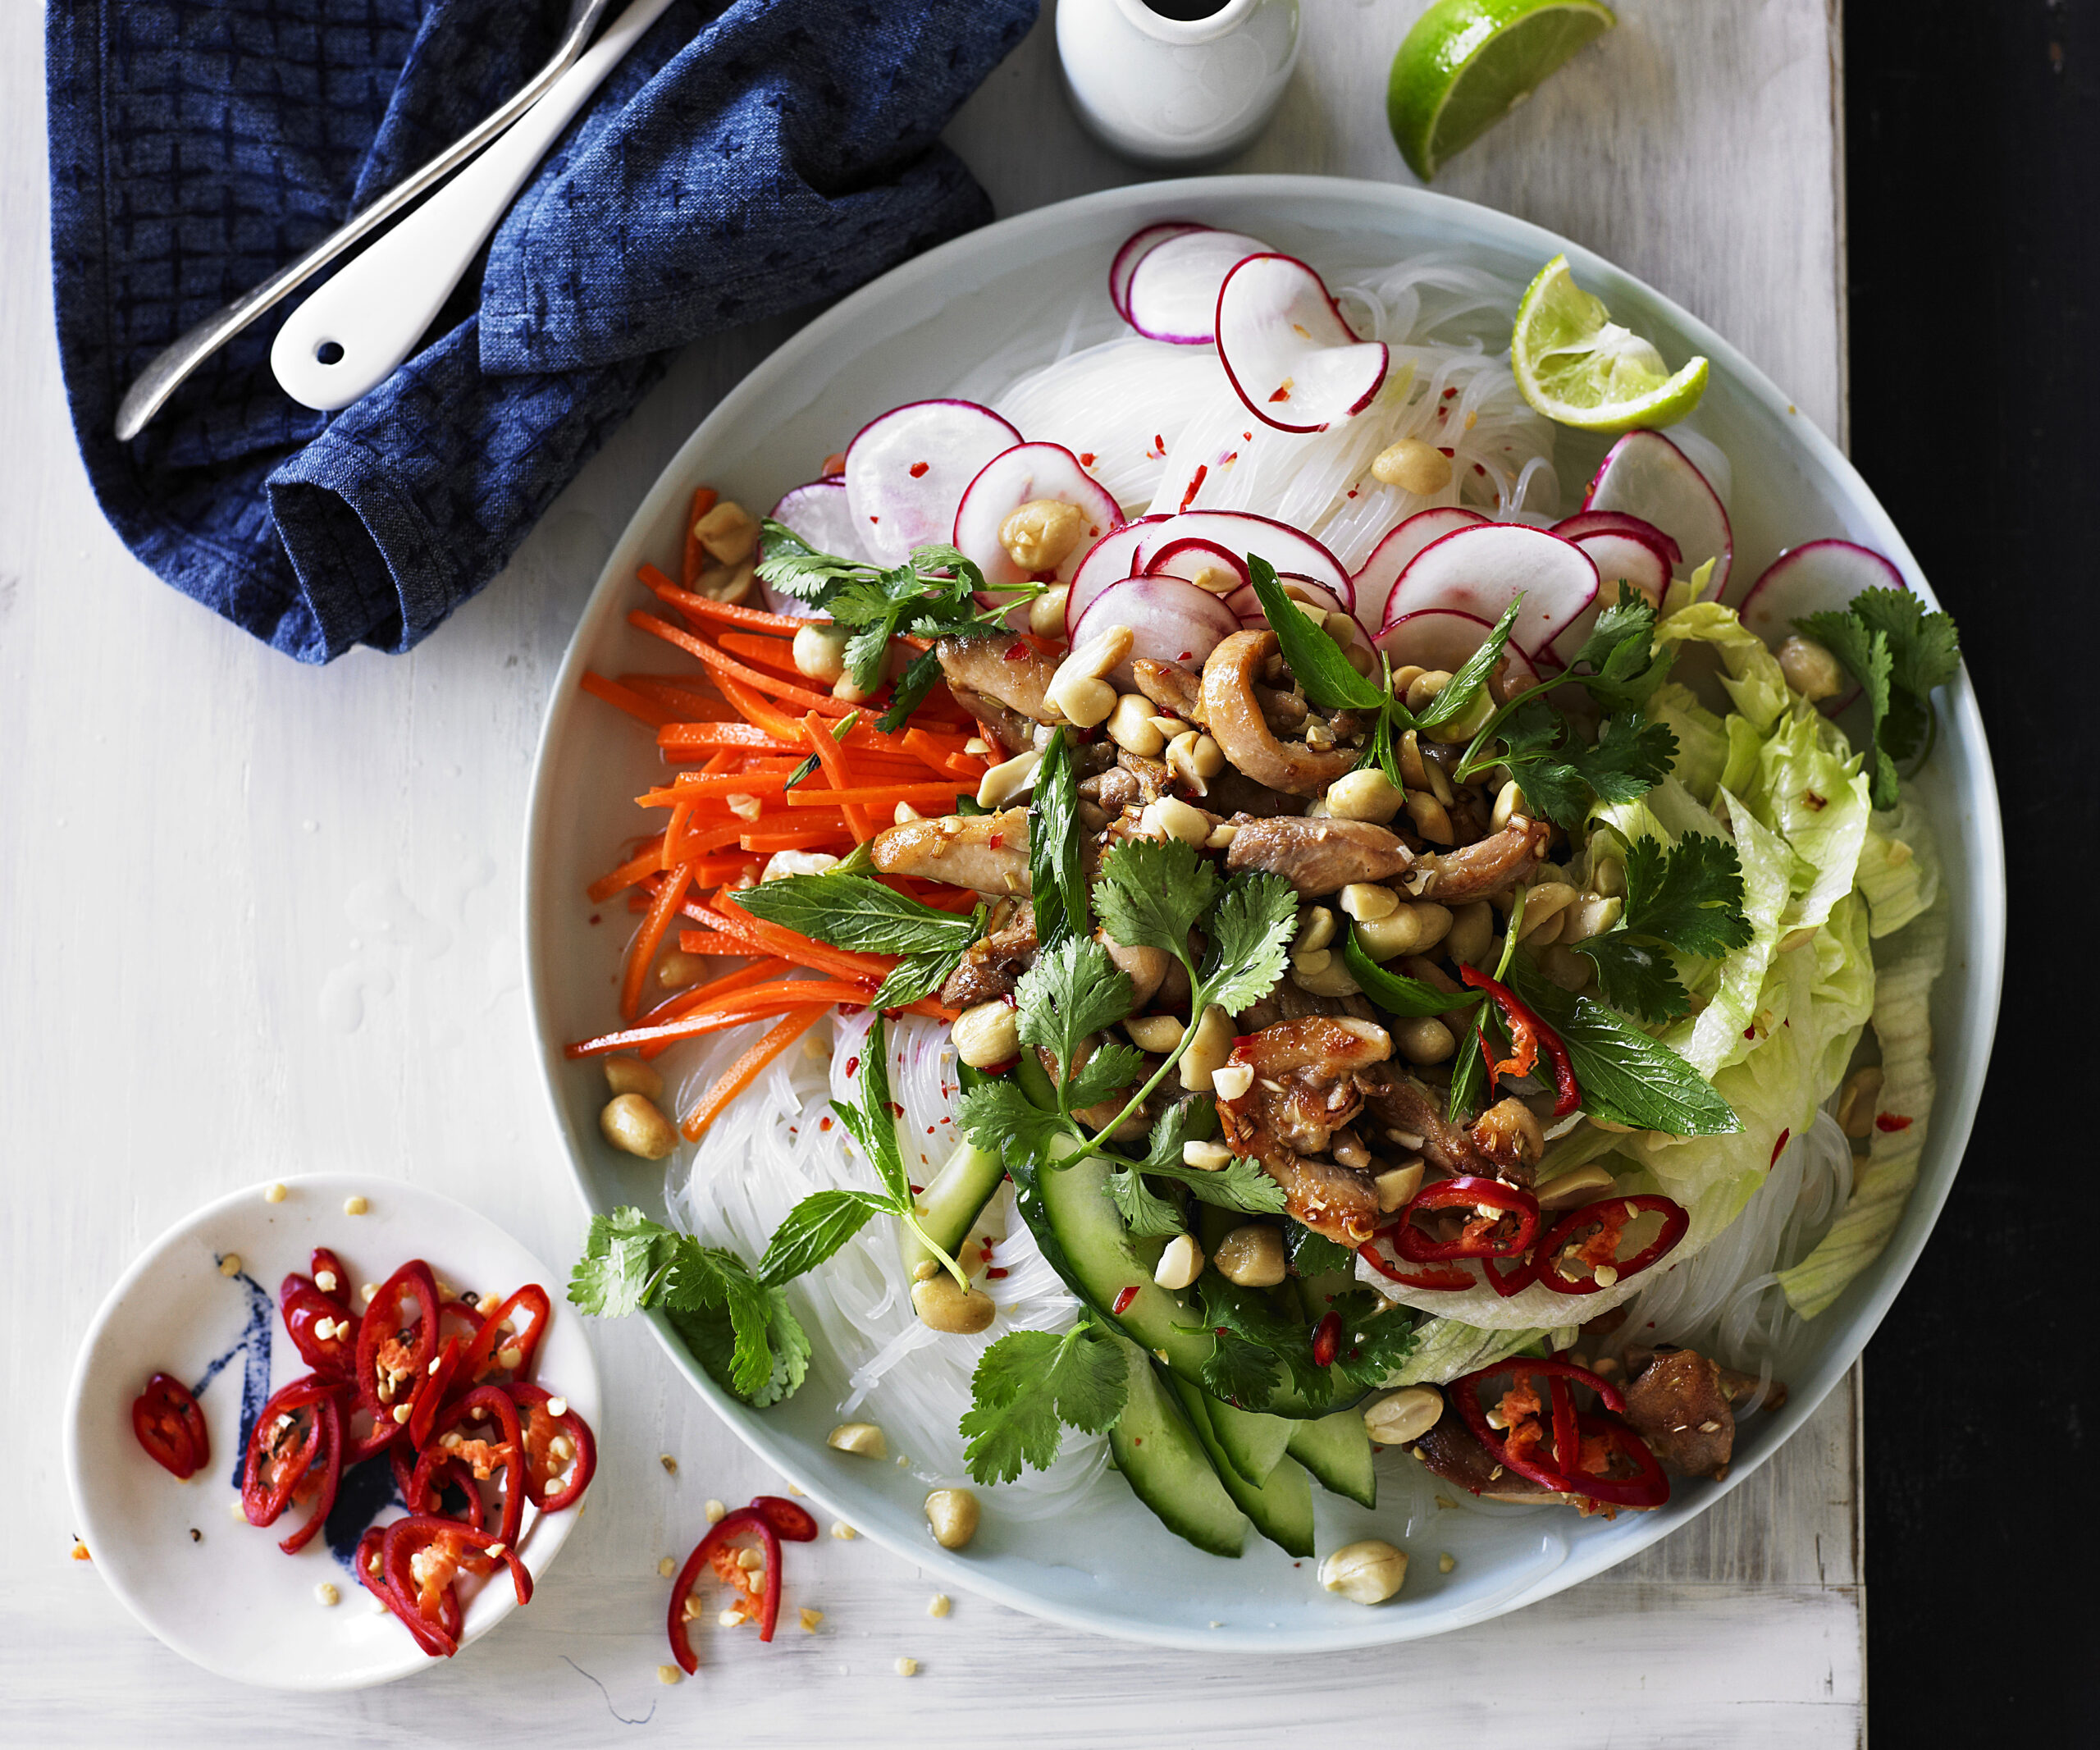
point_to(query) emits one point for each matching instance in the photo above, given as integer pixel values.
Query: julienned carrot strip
(928, 750)
(685, 1026)
(703, 501)
(726, 667)
(715, 871)
(774, 939)
(686, 702)
(971, 772)
(674, 835)
(705, 836)
(648, 861)
(795, 990)
(729, 784)
(626, 699)
(675, 737)
(831, 757)
(689, 1002)
(875, 796)
(713, 941)
(642, 949)
(775, 652)
(756, 708)
(793, 838)
(757, 620)
(745, 1070)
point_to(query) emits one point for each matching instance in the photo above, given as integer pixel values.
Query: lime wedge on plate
(1468, 63)
(1576, 366)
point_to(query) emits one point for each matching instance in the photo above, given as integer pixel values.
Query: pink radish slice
(1290, 352)
(1173, 288)
(1619, 559)
(1118, 554)
(1190, 559)
(1018, 477)
(1444, 637)
(1586, 522)
(1287, 549)
(1647, 475)
(906, 471)
(817, 512)
(1376, 577)
(1480, 570)
(1247, 605)
(1172, 621)
(1139, 244)
(1808, 579)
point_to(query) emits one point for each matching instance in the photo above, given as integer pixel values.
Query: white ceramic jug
(1181, 90)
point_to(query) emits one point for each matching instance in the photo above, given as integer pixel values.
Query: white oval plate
(185, 1564)
(966, 319)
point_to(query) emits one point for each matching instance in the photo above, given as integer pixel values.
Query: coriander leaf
(1631, 757)
(1073, 989)
(789, 562)
(1314, 1254)
(626, 1257)
(855, 912)
(1144, 1212)
(1560, 772)
(1002, 1120)
(910, 690)
(1192, 1118)
(709, 1333)
(1317, 661)
(813, 1229)
(1285, 1339)
(1112, 1069)
(1924, 649)
(1687, 899)
(867, 652)
(1898, 653)
(1028, 1386)
(1250, 931)
(1376, 1337)
(1240, 1372)
(1624, 666)
(914, 976)
(1152, 892)
(1057, 880)
(1626, 1077)
(1394, 992)
(1240, 1184)
(1472, 674)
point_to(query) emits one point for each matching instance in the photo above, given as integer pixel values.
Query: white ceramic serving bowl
(965, 319)
(227, 1598)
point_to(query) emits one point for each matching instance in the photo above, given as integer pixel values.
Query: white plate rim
(1868, 1298)
(493, 1603)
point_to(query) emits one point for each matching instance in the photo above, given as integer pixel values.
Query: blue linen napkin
(774, 155)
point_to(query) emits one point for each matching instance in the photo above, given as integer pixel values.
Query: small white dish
(179, 1554)
(1179, 91)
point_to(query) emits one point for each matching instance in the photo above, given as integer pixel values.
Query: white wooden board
(255, 918)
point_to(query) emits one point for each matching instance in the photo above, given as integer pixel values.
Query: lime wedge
(1468, 63)
(1577, 366)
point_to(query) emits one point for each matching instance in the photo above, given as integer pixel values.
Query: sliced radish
(1193, 558)
(1118, 554)
(1139, 244)
(1289, 351)
(817, 512)
(1287, 549)
(1018, 477)
(1808, 579)
(1586, 522)
(906, 471)
(1173, 288)
(1172, 622)
(1480, 570)
(1647, 475)
(1376, 577)
(1444, 637)
(1247, 605)
(1619, 559)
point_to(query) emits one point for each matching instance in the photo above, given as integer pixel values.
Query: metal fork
(166, 373)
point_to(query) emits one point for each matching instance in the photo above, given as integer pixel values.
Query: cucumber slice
(949, 1207)
(1166, 1466)
(1337, 1450)
(1252, 1443)
(1076, 1224)
(1281, 1508)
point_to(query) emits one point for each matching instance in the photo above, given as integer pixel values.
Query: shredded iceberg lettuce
(1899, 868)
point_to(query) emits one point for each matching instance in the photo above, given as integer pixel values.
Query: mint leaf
(914, 976)
(709, 1279)
(1057, 879)
(1315, 659)
(1626, 1077)
(1250, 931)
(855, 912)
(1152, 892)
(1394, 992)
(1470, 675)
(873, 1123)
(1028, 1386)
(814, 1229)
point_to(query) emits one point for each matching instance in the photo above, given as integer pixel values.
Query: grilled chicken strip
(1232, 710)
(986, 852)
(1303, 1090)
(993, 964)
(1479, 871)
(1317, 856)
(1408, 1117)
(1684, 1405)
(1006, 669)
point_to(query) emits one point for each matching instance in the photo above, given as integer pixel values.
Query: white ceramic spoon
(349, 337)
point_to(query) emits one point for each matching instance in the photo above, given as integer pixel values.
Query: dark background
(1973, 184)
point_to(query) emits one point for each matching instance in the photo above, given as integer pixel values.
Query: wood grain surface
(256, 918)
